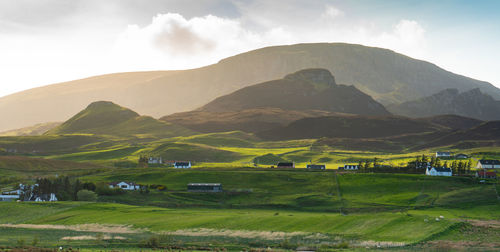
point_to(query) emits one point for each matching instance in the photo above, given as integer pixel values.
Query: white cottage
(441, 154)
(488, 164)
(130, 186)
(351, 167)
(183, 165)
(438, 171)
(155, 160)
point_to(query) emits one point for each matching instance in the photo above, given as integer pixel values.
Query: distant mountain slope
(485, 134)
(309, 89)
(35, 130)
(249, 120)
(472, 103)
(387, 76)
(349, 126)
(107, 118)
(453, 122)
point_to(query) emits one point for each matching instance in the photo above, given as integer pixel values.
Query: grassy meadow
(260, 206)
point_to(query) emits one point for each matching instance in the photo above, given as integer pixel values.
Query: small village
(47, 190)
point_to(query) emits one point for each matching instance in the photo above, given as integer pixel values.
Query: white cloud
(171, 41)
(332, 12)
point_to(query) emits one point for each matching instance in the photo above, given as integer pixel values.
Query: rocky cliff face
(472, 103)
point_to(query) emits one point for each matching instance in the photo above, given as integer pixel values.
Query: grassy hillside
(42, 167)
(35, 130)
(248, 120)
(107, 118)
(270, 206)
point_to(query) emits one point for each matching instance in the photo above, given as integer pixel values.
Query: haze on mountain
(107, 118)
(386, 76)
(472, 103)
(308, 89)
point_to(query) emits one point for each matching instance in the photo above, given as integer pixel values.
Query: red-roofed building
(488, 174)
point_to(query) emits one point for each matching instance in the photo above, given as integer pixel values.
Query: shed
(316, 167)
(204, 187)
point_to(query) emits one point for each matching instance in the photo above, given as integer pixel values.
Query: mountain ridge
(387, 76)
(472, 103)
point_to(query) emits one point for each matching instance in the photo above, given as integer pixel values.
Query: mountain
(386, 76)
(350, 126)
(486, 134)
(472, 103)
(453, 122)
(248, 120)
(107, 118)
(35, 130)
(308, 89)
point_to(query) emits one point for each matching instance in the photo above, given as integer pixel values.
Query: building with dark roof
(316, 167)
(182, 165)
(488, 164)
(204, 187)
(285, 165)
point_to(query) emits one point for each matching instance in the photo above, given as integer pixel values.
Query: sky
(49, 41)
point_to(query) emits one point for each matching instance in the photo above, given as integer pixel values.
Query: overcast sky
(49, 41)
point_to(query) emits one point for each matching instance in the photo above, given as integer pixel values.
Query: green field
(260, 207)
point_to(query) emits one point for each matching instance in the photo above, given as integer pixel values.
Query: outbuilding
(182, 165)
(487, 174)
(438, 171)
(204, 187)
(129, 186)
(285, 165)
(316, 167)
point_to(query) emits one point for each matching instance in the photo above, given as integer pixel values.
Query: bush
(86, 195)
(104, 189)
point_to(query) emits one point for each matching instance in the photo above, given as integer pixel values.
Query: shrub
(104, 189)
(86, 195)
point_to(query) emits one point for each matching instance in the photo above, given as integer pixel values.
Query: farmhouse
(130, 186)
(483, 174)
(204, 187)
(438, 171)
(349, 167)
(46, 197)
(488, 164)
(11, 197)
(440, 154)
(461, 156)
(155, 160)
(285, 165)
(182, 165)
(316, 167)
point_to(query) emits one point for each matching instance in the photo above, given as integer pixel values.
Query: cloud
(332, 12)
(172, 41)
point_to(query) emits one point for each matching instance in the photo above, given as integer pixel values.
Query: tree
(424, 158)
(86, 195)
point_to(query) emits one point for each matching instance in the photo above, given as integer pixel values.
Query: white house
(184, 165)
(51, 197)
(351, 167)
(441, 154)
(155, 160)
(438, 171)
(10, 197)
(488, 164)
(130, 186)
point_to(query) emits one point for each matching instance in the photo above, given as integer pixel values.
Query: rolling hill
(35, 130)
(248, 120)
(349, 126)
(472, 103)
(387, 76)
(308, 89)
(107, 118)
